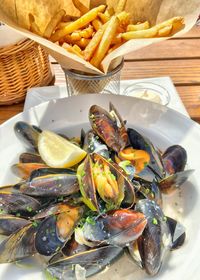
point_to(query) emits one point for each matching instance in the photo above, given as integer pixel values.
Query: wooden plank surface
(169, 49)
(182, 72)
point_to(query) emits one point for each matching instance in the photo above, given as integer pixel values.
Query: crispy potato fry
(68, 18)
(87, 32)
(76, 36)
(105, 42)
(97, 24)
(103, 17)
(124, 18)
(120, 29)
(165, 31)
(71, 50)
(174, 21)
(83, 42)
(79, 5)
(137, 27)
(53, 23)
(116, 46)
(93, 44)
(77, 49)
(33, 26)
(109, 12)
(63, 24)
(117, 39)
(120, 6)
(147, 33)
(79, 23)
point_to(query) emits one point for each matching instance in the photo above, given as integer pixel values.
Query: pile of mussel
(92, 213)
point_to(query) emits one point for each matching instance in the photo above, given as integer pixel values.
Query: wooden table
(178, 58)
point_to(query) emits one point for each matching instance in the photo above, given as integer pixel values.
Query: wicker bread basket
(22, 66)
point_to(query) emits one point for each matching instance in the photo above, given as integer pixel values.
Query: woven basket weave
(22, 66)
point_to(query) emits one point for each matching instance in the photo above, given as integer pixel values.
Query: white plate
(164, 127)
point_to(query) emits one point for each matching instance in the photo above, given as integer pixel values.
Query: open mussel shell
(18, 245)
(86, 184)
(30, 158)
(125, 194)
(49, 171)
(170, 184)
(155, 239)
(105, 125)
(93, 261)
(9, 224)
(56, 209)
(71, 248)
(177, 231)
(139, 142)
(93, 144)
(174, 159)
(28, 134)
(50, 185)
(148, 190)
(24, 170)
(117, 227)
(56, 230)
(17, 203)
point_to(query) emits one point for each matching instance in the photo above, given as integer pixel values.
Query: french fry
(83, 42)
(87, 32)
(137, 27)
(62, 24)
(116, 46)
(76, 36)
(174, 21)
(53, 23)
(77, 49)
(105, 42)
(71, 49)
(165, 31)
(120, 6)
(147, 33)
(97, 24)
(78, 24)
(82, 8)
(33, 26)
(93, 44)
(124, 18)
(68, 18)
(117, 39)
(109, 12)
(103, 17)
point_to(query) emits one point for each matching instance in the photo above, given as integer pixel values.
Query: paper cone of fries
(90, 36)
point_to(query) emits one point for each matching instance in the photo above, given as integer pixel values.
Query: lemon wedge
(58, 152)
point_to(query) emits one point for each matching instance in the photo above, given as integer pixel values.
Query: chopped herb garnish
(29, 209)
(145, 164)
(35, 224)
(60, 199)
(18, 215)
(82, 173)
(2, 211)
(155, 221)
(90, 221)
(165, 219)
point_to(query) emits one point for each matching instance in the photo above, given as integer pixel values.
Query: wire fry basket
(22, 66)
